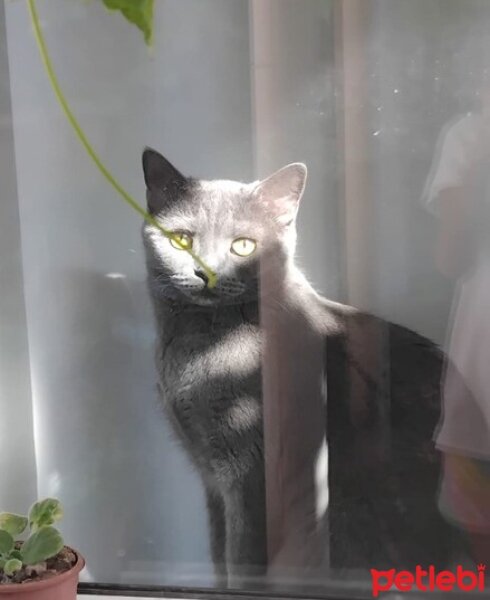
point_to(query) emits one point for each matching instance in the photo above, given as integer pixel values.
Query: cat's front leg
(246, 542)
(217, 533)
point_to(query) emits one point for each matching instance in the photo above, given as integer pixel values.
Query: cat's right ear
(159, 173)
(162, 180)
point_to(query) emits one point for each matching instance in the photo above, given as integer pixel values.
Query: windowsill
(106, 597)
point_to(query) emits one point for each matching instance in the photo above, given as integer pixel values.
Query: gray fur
(209, 358)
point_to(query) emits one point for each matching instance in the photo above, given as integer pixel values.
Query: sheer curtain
(133, 504)
(17, 461)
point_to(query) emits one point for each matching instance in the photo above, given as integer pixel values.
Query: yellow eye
(243, 247)
(184, 238)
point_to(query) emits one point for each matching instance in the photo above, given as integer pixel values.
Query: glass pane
(251, 434)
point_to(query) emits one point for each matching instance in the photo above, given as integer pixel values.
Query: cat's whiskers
(231, 287)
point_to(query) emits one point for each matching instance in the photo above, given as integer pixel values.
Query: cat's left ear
(280, 193)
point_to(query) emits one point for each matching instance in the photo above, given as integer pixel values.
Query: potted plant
(35, 564)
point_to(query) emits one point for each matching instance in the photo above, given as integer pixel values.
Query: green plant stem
(212, 279)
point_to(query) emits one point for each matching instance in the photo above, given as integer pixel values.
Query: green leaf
(45, 512)
(137, 12)
(12, 566)
(43, 544)
(15, 554)
(2, 562)
(6, 542)
(13, 524)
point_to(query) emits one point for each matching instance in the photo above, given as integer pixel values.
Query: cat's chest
(203, 364)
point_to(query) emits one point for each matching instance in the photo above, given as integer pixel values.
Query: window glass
(251, 435)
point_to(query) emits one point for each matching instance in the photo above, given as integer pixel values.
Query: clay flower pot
(60, 587)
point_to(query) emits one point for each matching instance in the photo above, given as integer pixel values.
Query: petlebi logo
(428, 580)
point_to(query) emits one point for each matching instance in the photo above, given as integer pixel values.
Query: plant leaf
(13, 524)
(12, 566)
(137, 12)
(43, 544)
(15, 554)
(45, 512)
(6, 542)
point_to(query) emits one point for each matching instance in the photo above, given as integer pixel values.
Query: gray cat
(263, 332)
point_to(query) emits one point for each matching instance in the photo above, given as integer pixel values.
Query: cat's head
(231, 226)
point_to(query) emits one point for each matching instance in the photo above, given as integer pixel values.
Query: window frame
(337, 592)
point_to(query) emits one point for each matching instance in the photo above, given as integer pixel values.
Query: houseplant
(35, 564)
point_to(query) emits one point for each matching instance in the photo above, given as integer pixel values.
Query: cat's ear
(159, 173)
(280, 193)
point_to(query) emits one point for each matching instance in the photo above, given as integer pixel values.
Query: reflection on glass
(458, 194)
(304, 438)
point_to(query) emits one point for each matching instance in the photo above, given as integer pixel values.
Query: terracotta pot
(61, 587)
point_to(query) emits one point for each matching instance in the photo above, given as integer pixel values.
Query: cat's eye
(243, 247)
(185, 240)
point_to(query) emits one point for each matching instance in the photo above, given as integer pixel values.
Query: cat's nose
(202, 275)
